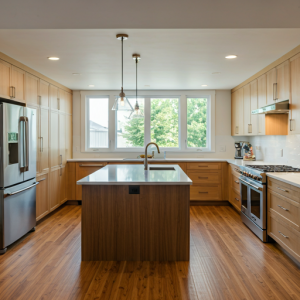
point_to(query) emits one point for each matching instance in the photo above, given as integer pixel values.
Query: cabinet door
(254, 102)
(32, 90)
(54, 98)
(283, 81)
(233, 113)
(44, 93)
(42, 199)
(69, 103)
(62, 100)
(18, 82)
(62, 139)
(295, 96)
(69, 136)
(44, 140)
(5, 79)
(271, 80)
(240, 111)
(247, 110)
(54, 140)
(63, 185)
(55, 188)
(38, 144)
(262, 101)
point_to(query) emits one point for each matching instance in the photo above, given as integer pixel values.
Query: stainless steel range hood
(276, 108)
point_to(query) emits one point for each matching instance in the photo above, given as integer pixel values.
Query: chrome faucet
(146, 156)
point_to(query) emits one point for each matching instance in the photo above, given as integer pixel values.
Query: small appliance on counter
(238, 150)
(17, 172)
(248, 151)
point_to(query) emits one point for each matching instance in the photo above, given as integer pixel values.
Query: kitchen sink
(161, 169)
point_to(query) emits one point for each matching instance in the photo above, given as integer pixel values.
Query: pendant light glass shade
(137, 111)
(121, 102)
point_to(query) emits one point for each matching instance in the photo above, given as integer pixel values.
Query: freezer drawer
(18, 206)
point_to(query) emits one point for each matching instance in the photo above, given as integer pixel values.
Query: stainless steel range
(253, 189)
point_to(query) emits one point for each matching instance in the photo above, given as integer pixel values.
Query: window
(197, 123)
(97, 122)
(130, 131)
(165, 122)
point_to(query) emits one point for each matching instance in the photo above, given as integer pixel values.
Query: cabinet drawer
(203, 177)
(235, 199)
(235, 170)
(284, 235)
(235, 183)
(203, 166)
(284, 189)
(285, 208)
(211, 192)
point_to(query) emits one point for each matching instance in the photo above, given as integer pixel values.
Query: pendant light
(137, 112)
(121, 102)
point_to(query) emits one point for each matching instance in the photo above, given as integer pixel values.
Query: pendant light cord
(136, 62)
(122, 63)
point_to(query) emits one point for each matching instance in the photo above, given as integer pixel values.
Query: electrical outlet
(222, 148)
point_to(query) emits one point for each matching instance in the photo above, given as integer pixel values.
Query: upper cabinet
(65, 102)
(283, 81)
(32, 89)
(5, 78)
(237, 112)
(247, 126)
(253, 105)
(271, 86)
(261, 101)
(295, 96)
(54, 97)
(44, 93)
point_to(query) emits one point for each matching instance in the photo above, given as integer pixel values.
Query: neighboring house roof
(97, 127)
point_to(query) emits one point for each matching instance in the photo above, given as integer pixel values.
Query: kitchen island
(136, 215)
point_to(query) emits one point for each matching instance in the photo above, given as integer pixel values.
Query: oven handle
(256, 187)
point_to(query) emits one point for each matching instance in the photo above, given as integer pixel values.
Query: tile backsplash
(268, 148)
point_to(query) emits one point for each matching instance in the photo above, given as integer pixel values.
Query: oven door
(245, 205)
(256, 201)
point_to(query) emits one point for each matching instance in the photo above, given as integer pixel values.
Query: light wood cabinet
(234, 187)
(18, 84)
(54, 139)
(44, 93)
(63, 185)
(44, 140)
(42, 198)
(62, 139)
(69, 137)
(54, 97)
(237, 113)
(294, 124)
(32, 90)
(262, 101)
(55, 195)
(271, 89)
(283, 81)
(253, 106)
(247, 110)
(5, 79)
(69, 103)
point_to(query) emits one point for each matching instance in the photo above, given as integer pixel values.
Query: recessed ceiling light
(204, 85)
(215, 73)
(231, 56)
(53, 58)
(91, 85)
(76, 73)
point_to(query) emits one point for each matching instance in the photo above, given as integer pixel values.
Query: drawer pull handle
(283, 235)
(236, 181)
(41, 180)
(203, 166)
(203, 177)
(282, 207)
(203, 192)
(90, 165)
(236, 199)
(282, 190)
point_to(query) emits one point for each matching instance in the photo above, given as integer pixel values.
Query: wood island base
(153, 225)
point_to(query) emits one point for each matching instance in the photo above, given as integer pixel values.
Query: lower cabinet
(42, 196)
(234, 187)
(58, 189)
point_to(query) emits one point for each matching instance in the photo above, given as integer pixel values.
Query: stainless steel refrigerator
(17, 172)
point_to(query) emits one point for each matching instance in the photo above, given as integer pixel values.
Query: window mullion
(147, 114)
(183, 123)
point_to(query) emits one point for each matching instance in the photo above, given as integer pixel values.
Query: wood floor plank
(227, 261)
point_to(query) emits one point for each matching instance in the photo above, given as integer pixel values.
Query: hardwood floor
(227, 262)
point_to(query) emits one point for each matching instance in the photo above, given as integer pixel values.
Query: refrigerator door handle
(19, 191)
(25, 145)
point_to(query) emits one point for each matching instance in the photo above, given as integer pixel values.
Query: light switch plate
(281, 153)
(222, 148)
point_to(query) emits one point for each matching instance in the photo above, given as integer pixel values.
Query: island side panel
(110, 224)
(165, 223)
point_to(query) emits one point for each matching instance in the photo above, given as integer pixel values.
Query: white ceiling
(171, 59)
(87, 14)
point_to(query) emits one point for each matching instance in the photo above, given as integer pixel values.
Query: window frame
(147, 95)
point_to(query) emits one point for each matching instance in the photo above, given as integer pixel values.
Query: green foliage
(164, 124)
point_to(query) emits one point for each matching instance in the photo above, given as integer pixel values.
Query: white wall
(223, 132)
(271, 146)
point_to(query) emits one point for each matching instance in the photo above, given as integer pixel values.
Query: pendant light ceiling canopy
(121, 102)
(137, 111)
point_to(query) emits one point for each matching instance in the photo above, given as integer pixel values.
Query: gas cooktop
(273, 168)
